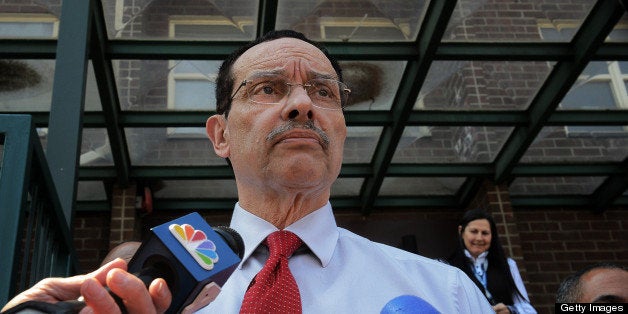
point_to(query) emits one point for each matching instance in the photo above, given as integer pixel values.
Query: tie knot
(283, 243)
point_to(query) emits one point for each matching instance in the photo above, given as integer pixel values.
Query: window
(602, 85)
(28, 25)
(191, 83)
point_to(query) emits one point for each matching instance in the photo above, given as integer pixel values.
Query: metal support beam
(68, 99)
(437, 16)
(267, 16)
(589, 38)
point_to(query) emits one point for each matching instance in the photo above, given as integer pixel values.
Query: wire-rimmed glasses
(272, 89)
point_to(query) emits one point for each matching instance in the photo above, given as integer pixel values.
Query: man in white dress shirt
(280, 124)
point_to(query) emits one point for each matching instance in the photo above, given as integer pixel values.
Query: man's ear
(216, 127)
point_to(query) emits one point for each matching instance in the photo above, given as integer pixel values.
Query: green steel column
(14, 169)
(68, 99)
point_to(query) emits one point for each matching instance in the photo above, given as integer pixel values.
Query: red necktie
(274, 290)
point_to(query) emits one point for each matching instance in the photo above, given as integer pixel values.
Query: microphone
(408, 304)
(193, 258)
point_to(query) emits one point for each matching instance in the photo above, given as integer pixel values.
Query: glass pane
(154, 147)
(360, 144)
(26, 85)
(30, 19)
(514, 20)
(347, 187)
(373, 84)
(443, 144)
(563, 144)
(187, 19)
(601, 86)
(555, 185)
(196, 189)
(166, 85)
(481, 85)
(620, 32)
(91, 191)
(352, 21)
(420, 186)
(95, 150)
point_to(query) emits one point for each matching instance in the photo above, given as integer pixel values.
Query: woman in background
(481, 256)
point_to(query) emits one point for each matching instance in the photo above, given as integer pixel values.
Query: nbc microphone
(193, 258)
(408, 304)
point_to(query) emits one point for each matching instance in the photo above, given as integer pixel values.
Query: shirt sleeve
(521, 305)
(470, 298)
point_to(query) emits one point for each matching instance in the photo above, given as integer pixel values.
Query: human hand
(501, 308)
(133, 292)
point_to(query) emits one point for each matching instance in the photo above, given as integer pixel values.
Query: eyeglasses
(272, 89)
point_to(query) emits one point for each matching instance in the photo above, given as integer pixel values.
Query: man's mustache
(290, 125)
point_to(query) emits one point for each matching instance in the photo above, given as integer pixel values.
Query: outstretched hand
(137, 299)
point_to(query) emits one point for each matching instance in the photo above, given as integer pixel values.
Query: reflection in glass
(601, 86)
(481, 85)
(95, 149)
(373, 84)
(346, 187)
(440, 144)
(578, 144)
(352, 21)
(194, 189)
(514, 21)
(234, 20)
(167, 85)
(360, 144)
(26, 85)
(554, 185)
(91, 191)
(393, 186)
(154, 147)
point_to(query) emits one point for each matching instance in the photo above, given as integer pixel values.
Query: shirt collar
(317, 230)
(481, 258)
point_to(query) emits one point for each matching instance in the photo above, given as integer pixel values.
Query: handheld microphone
(193, 258)
(408, 304)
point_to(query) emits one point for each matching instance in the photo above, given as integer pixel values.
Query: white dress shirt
(342, 272)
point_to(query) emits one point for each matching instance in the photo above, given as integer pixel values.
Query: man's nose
(298, 104)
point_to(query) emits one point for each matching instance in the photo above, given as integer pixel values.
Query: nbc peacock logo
(202, 249)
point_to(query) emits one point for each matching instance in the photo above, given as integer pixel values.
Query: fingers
(160, 295)
(135, 295)
(97, 298)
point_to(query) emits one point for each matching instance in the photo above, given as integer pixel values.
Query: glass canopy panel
(516, 21)
(346, 187)
(166, 85)
(163, 147)
(394, 186)
(95, 148)
(91, 191)
(352, 21)
(603, 85)
(445, 144)
(26, 85)
(554, 185)
(373, 84)
(579, 144)
(481, 85)
(30, 19)
(620, 31)
(194, 189)
(360, 144)
(181, 20)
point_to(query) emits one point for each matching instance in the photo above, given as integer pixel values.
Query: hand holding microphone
(192, 258)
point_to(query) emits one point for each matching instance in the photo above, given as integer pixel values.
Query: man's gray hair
(570, 290)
